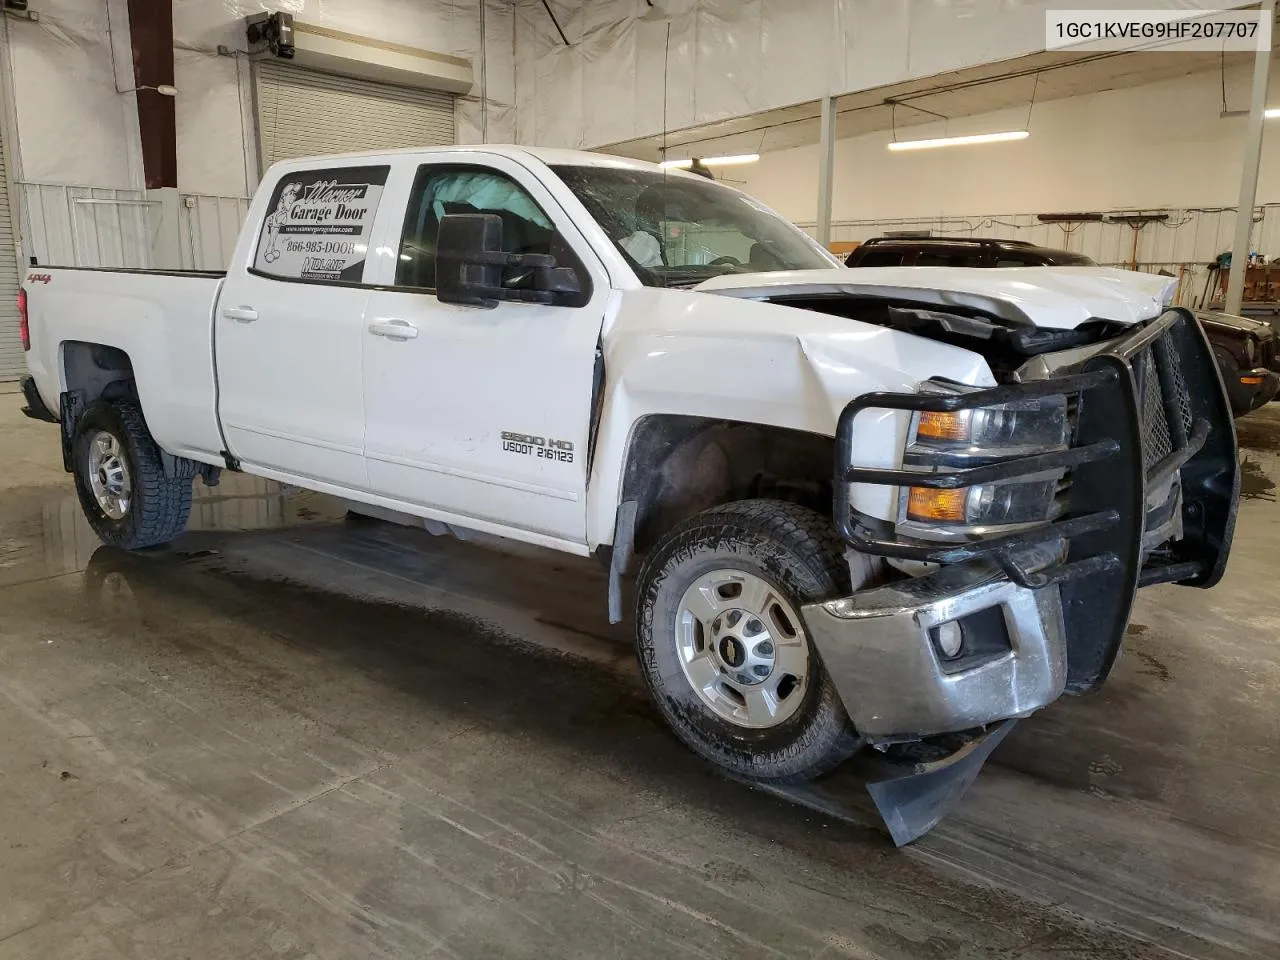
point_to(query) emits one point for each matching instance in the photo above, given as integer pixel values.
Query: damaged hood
(1059, 298)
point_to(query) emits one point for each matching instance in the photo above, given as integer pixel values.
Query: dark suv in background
(1245, 349)
(960, 252)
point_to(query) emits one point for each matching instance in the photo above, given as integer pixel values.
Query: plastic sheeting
(211, 127)
(73, 127)
(725, 58)
(729, 58)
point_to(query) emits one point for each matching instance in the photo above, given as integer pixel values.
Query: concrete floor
(292, 736)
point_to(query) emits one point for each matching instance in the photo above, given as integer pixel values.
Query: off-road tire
(797, 550)
(159, 505)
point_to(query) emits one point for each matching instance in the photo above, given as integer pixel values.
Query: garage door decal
(318, 224)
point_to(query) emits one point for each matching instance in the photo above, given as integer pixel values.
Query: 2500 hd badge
(542, 447)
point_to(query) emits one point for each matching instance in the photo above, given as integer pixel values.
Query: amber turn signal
(944, 426)
(1252, 381)
(925, 503)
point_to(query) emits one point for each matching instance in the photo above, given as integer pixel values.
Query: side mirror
(557, 280)
(466, 270)
(470, 262)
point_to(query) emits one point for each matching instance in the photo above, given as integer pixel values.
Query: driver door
(482, 414)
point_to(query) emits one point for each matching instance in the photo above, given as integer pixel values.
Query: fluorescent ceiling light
(958, 141)
(1268, 114)
(732, 161)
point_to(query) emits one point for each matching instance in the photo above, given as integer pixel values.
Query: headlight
(1251, 349)
(991, 504)
(1038, 425)
(945, 441)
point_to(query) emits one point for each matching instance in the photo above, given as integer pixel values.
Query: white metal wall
(209, 227)
(104, 227)
(303, 113)
(1184, 245)
(80, 226)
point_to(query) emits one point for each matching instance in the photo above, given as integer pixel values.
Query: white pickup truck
(866, 507)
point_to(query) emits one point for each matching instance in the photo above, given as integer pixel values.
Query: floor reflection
(56, 539)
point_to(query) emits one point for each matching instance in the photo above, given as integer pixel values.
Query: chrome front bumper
(879, 649)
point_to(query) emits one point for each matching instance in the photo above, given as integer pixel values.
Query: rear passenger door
(482, 414)
(289, 328)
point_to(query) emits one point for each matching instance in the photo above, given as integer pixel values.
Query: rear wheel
(722, 645)
(124, 492)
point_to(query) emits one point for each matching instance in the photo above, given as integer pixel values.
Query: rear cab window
(318, 225)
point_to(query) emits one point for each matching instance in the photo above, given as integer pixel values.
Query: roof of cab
(548, 155)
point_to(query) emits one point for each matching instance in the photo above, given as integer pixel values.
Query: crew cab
(1245, 349)
(865, 507)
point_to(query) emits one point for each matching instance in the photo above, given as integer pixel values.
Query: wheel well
(678, 466)
(91, 372)
(95, 371)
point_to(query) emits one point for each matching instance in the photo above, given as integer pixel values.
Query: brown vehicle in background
(1245, 349)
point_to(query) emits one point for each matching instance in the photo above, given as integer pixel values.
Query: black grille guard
(1110, 479)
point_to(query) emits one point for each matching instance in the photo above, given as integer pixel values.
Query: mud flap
(913, 803)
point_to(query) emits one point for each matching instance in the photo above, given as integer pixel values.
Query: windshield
(679, 231)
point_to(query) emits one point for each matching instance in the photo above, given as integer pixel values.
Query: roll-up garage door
(12, 362)
(303, 113)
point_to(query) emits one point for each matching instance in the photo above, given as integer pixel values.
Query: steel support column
(826, 167)
(1240, 248)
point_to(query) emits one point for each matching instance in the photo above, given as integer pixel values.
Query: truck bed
(163, 320)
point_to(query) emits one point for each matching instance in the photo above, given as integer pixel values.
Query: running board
(911, 799)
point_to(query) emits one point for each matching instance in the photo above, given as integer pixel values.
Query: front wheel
(124, 492)
(722, 646)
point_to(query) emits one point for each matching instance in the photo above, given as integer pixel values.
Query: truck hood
(1059, 298)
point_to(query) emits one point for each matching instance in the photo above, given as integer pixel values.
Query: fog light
(949, 638)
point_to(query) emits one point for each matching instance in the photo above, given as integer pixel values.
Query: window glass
(1014, 261)
(318, 224)
(948, 258)
(882, 258)
(439, 190)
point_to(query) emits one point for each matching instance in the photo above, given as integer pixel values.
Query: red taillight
(24, 328)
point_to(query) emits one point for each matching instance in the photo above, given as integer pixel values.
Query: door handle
(242, 313)
(394, 329)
